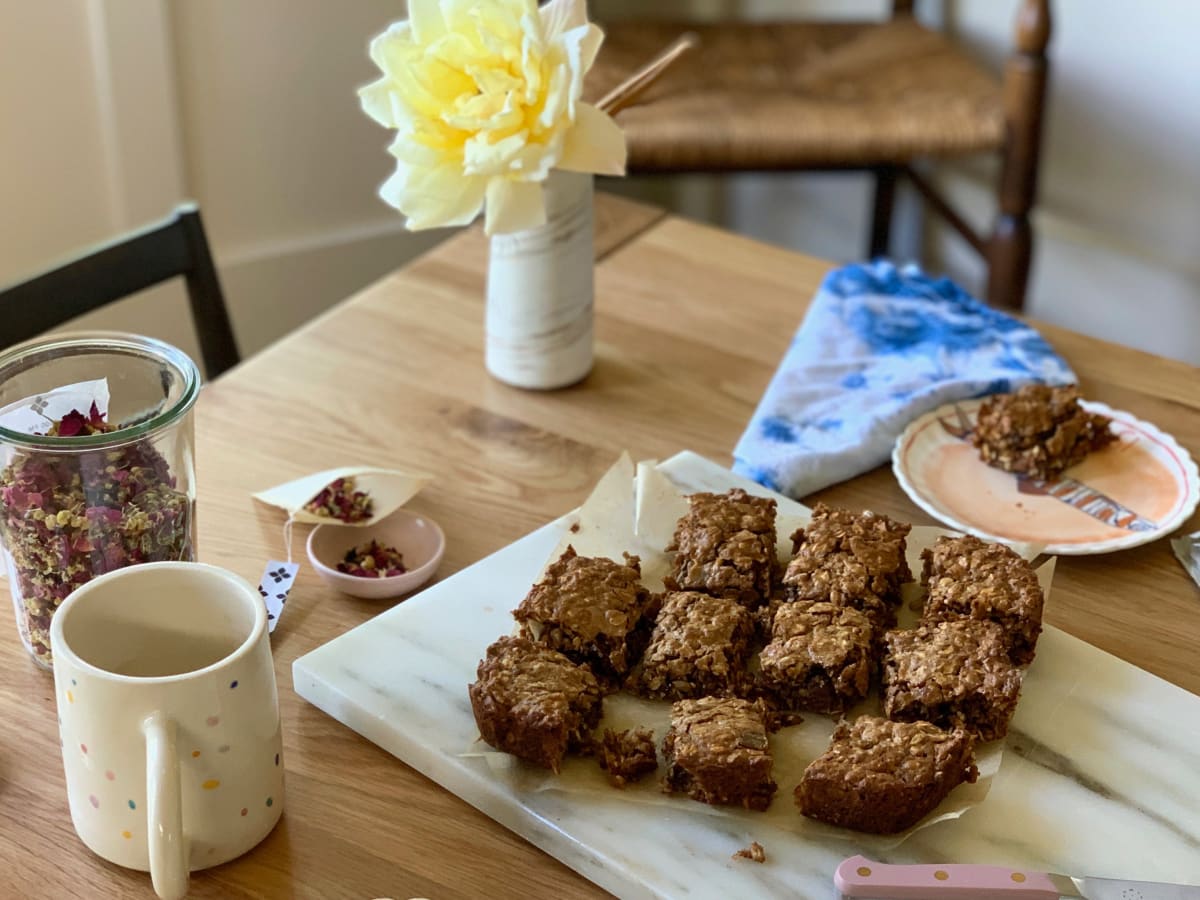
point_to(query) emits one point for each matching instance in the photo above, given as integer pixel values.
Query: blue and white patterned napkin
(880, 346)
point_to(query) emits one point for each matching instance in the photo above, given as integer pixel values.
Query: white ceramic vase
(540, 291)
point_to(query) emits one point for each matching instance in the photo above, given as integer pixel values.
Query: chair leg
(218, 345)
(1009, 255)
(881, 211)
(1010, 250)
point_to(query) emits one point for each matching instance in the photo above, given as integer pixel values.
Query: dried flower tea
(67, 517)
(76, 424)
(340, 500)
(373, 560)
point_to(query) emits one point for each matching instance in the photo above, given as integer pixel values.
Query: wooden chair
(883, 97)
(173, 247)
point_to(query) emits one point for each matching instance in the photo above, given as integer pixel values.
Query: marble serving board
(1100, 774)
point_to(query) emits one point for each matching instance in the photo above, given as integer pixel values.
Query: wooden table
(691, 322)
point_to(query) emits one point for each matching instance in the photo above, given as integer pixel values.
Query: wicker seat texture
(801, 96)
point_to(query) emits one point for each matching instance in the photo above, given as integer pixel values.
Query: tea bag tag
(277, 580)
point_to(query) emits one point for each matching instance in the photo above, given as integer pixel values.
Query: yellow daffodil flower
(485, 99)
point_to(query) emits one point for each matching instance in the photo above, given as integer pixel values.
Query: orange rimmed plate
(1132, 492)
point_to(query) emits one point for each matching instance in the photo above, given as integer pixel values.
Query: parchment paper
(642, 520)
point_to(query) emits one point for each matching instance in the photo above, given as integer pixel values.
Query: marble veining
(1101, 774)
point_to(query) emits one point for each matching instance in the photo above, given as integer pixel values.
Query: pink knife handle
(860, 877)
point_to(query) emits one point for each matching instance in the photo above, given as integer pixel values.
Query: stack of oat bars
(741, 648)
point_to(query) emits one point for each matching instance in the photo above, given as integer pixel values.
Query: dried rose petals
(75, 423)
(67, 517)
(373, 560)
(341, 501)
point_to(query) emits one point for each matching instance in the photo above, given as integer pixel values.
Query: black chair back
(174, 247)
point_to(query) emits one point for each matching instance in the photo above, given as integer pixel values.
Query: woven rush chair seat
(801, 96)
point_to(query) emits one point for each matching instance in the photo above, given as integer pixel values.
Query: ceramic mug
(169, 718)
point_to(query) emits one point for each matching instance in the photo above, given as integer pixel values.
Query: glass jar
(87, 491)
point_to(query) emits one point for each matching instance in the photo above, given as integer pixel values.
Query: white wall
(285, 164)
(52, 160)
(1118, 222)
(116, 109)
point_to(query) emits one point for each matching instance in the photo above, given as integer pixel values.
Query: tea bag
(322, 498)
(37, 414)
(386, 489)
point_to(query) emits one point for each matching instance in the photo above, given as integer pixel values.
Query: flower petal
(595, 144)
(426, 18)
(513, 206)
(376, 99)
(589, 47)
(457, 14)
(72, 424)
(443, 70)
(580, 46)
(556, 100)
(534, 161)
(393, 48)
(434, 198)
(483, 157)
(562, 15)
(411, 150)
(498, 24)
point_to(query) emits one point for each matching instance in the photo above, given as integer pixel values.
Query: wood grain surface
(691, 322)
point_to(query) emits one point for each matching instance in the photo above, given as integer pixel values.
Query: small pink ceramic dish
(418, 538)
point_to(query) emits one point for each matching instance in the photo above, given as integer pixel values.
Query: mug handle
(164, 809)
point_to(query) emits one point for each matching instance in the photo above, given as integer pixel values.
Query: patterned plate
(1130, 493)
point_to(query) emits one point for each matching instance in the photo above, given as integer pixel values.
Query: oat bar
(819, 658)
(953, 674)
(627, 755)
(967, 577)
(533, 702)
(725, 546)
(884, 777)
(717, 752)
(755, 853)
(698, 647)
(1038, 431)
(590, 609)
(850, 559)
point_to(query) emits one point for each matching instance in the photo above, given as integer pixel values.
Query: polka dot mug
(169, 718)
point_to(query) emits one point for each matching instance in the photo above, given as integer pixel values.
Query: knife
(860, 878)
(1187, 551)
